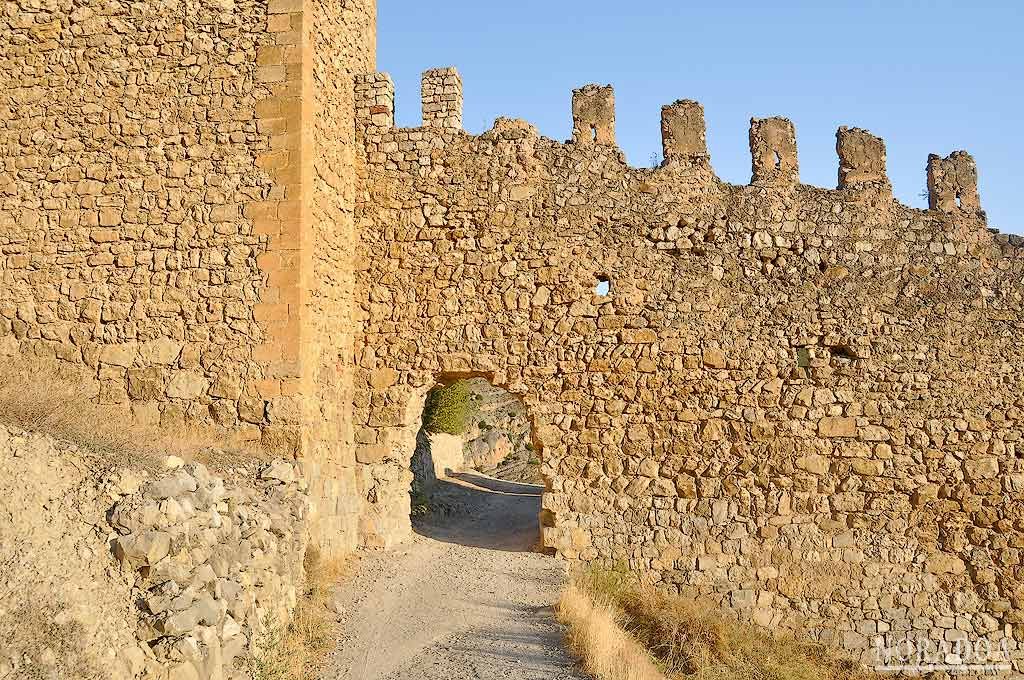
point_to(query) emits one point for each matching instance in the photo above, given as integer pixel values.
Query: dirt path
(464, 599)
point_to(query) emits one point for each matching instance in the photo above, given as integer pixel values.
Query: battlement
(593, 115)
(683, 133)
(861, 158)
(952, 181)
(773, 152)
(442, 98)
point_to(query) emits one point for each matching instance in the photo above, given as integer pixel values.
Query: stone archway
(386, 457)
(476, 467)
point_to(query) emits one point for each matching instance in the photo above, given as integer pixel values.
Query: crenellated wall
(802, 404)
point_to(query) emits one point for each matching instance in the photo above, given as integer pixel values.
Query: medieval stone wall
(129, 142)
(803, 404)
(176, 201)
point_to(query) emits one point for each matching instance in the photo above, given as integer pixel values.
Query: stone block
(837, 427)
(187, 385)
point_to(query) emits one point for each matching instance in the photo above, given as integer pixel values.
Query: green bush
(447, 408)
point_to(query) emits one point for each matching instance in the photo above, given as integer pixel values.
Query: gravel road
(466, 598)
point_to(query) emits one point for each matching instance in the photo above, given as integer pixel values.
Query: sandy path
(464, 599)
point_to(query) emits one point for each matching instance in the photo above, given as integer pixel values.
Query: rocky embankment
(129, 573)
(498, 441)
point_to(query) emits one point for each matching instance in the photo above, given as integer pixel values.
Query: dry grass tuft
(692, 641)
(41, 642)
(298, 651)
(58, 400)
(605, 650)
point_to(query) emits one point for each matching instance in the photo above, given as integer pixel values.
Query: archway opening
(476, 467)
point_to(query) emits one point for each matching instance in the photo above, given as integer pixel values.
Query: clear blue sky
(928, 77)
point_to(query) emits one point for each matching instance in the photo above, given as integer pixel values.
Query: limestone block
(119, 355)
(145, 384)
(837, 427)
(186, 385)
(142, 549)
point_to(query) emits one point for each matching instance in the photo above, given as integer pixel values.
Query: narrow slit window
(603, 287)
(778, 160)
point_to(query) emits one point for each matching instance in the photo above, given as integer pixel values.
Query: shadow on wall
(437, 455)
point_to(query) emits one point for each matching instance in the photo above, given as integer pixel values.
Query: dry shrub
(604, 649)
(57, 399)
(297, 651)
(694, 641)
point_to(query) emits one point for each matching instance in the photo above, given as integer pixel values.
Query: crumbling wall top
(773, 152)
(861, 158)
(593, 115)
(953, 183)
(683, 133)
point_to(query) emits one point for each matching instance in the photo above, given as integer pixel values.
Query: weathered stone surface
(212, 561)
(800, 362)
(169, 487)
(144, 549)
(762, 381)
(187, 385)
(837, 427)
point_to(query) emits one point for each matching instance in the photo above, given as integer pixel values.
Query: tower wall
(177, 185)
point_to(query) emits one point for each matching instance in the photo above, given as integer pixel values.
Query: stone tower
(176, 215)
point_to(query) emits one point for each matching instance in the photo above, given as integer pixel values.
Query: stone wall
(176, 201)
(129, 144)
(344, 43)
(802, 404)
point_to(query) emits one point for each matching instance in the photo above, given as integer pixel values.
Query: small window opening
(803, 357)
(603, 287)
(843, 352)
(959, 202)
(778, 160)
(593, 132)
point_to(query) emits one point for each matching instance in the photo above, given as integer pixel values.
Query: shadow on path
(498, 485)
(475, 510)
